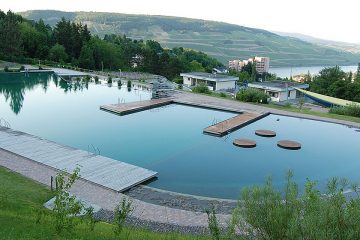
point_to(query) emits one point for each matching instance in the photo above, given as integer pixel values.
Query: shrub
(201, 88)
(90, 218)
(121, 211)
(6, 69)
(350, 110)
(222, 95)
(66, 206)
(271, 214)
(129, 84)
(178, 80)
(109, 80)
(213, 224)
(22, 68)
(119, 83)
(252, 95)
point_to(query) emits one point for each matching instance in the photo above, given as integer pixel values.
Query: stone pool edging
(145, 215)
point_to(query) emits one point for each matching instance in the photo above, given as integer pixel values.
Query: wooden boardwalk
(97, 169)
(234, 123)
(132, 107)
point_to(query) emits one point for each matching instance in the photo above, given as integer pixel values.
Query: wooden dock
(110, 173)
(234, 123)
(132, 107)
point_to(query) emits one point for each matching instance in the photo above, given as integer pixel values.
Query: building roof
(210, 76)
(278, 85)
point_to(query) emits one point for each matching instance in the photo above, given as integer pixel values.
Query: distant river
(286, 71)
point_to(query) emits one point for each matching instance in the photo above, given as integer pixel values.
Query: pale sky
(327, 19)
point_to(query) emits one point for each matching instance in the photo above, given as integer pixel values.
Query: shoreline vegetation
(262, 213)
(72, 44)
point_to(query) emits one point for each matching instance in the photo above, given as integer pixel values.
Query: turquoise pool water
(170, 141)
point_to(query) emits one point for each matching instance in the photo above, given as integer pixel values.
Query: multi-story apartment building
(262, 64)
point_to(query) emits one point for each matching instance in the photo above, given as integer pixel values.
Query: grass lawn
(20, 198)
(314, 113)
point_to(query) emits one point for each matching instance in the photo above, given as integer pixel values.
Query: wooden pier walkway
(132, 107)
(103, 171)
(234, 123)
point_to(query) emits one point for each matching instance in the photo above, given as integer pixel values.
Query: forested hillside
(69, 42)
(220, 40)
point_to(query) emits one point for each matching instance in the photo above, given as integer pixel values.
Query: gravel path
(145, 214)
(181, 201)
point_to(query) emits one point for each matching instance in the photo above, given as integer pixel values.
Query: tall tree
(10, 35)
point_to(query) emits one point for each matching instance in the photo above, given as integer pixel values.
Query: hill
(220, 40)
(343, 46)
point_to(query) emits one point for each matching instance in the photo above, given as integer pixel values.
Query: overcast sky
(328, 19)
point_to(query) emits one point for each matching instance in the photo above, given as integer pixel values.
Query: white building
(213, 81)
(262, 64)
(279, 90)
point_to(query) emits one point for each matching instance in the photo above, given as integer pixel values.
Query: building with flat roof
(213, 81)
(279, 91)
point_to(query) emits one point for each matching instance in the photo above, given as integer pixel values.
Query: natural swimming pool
(170, 141)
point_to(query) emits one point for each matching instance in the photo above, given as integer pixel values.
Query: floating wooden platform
(244, 143)
(234, 123)
(132, 107)
(100, 170)
(287, 144)
(265, 133)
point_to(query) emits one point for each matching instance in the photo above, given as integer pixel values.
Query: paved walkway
(106, 198)
(203, 100)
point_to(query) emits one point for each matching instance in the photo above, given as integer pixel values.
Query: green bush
(6, 69)
(22, 68)
(178, 80)
(265, 213)
(350, 110)
(252, 95)
(222, 95)
(201, 88)
(129, 84)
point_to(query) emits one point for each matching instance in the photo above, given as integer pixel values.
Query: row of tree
(70, 42)
(333, 81)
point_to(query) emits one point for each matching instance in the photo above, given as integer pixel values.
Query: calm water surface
(170, 141)
(286, 71)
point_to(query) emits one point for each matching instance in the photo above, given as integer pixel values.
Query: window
(274, 94)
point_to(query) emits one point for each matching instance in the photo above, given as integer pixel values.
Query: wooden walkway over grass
(97, 169)
(132, 107)
(234, 123)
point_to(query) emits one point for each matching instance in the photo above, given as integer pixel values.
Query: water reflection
(15, 85)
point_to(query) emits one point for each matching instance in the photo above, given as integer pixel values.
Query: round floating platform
(265, 133)
(245, 143)
(287, 144)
